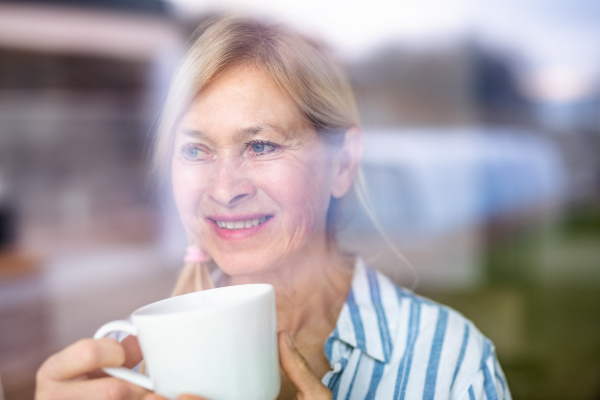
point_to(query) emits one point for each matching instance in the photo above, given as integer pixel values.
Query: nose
(231, 186)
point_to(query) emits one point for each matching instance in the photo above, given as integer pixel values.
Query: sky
(556, 42)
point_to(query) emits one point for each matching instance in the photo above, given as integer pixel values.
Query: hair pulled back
(302, 67)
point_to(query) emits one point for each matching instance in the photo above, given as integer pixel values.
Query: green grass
(583, 221)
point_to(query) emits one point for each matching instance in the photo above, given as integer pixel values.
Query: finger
(133, 353)
(297, 369)
(82, 357)
(97, 373)
(190, 397)
(153, 396)
(133, 356)
(96, 389)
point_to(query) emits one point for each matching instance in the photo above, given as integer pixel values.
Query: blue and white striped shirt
(389, 343)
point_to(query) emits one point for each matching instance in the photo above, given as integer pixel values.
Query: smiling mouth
(236, 225)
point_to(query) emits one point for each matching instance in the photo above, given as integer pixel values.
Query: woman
(261, 132)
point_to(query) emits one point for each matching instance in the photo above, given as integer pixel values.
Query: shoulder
(439, 349)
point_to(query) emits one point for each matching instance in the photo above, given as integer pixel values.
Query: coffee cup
(220, 344)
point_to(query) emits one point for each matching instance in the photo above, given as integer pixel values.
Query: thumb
(133, 354)
(308, 386)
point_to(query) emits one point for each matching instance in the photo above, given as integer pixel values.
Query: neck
(310, 285)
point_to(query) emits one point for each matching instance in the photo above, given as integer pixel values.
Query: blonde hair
(302, 67)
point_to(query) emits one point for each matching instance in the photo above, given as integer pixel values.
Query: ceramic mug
(219, 343)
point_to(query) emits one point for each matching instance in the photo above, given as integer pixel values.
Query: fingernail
(290, 341)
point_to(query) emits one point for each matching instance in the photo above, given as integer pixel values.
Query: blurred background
(482, 130)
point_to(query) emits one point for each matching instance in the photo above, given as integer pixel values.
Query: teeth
(235, 225)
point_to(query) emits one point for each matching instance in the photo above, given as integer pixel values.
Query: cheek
(187, 189)
(302, 190)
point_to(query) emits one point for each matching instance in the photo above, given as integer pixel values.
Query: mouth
(241, 224)
(239, 227)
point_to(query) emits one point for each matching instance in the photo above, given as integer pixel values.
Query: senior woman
(261, 134)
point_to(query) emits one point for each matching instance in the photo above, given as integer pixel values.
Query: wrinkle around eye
(268, 146)
(193, 153)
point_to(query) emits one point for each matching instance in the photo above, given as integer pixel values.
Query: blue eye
(191, 153)
(258, 147)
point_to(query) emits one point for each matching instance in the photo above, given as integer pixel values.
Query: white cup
(219, 343)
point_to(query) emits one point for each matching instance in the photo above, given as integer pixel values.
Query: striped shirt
(389, 343)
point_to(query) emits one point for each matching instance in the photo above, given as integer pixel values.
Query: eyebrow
(242, 133)
(194, 133)
(254, 130)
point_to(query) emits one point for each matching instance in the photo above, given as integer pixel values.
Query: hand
(74, 373)
(308, 386)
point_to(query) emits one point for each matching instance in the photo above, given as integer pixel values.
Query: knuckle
(54, 395)
(299, 359)
(48, 394)
(44, 371)
(304, 362)
(304, 366)
(87, 353)
(116, 389)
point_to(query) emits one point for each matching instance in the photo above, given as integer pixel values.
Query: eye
(258, 147)
(261, 147)
(193, 153)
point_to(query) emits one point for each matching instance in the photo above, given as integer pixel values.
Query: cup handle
(120, 372)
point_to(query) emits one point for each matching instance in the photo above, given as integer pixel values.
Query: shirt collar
(363, 322)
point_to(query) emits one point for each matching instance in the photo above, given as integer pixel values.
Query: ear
(346, 162)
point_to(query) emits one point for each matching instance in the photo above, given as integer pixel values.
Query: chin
(241, 266)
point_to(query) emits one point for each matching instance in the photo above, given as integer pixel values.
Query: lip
(238, 217)
(239, 234)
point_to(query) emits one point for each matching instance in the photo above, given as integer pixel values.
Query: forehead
(239, 99)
